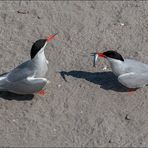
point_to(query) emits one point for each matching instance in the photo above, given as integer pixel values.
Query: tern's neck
(116, 65)
(115, 61)
(40, 57)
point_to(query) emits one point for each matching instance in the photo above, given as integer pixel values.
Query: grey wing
(33, 84)
(135, 66)
(29, 85)
(37, 83)
(133, 80)
(21, 72)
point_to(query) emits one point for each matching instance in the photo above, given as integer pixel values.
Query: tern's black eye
(113, 54)
(36, 47)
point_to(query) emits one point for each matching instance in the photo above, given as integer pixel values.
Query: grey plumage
(28, 77)
(131, 73)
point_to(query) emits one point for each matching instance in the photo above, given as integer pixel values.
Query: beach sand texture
(90, 108)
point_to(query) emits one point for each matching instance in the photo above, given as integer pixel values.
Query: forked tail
(2, 81)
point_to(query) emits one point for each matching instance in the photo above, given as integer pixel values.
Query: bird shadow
(106, 80)
(12, 96)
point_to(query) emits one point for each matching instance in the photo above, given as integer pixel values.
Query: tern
(28, 77)
(131, 73)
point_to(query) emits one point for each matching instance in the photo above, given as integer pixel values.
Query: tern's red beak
(50, 37)
(101, 55)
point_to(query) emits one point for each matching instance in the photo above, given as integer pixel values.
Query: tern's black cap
(36, 47)
(113, 54)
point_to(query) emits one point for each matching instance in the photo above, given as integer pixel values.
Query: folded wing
(21, 72)
(133, 80)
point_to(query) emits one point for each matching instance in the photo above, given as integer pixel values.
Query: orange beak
(101, 55)
(50, 37)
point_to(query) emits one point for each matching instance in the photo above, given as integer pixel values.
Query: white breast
(117, 66)
(40, 62)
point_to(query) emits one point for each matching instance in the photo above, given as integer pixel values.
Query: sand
(88, 108)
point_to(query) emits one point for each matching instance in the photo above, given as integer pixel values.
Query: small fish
(95, 59)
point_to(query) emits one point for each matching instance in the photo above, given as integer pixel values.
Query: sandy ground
(91, 108)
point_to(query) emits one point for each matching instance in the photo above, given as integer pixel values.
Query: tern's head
(40, 45)
(111, 55)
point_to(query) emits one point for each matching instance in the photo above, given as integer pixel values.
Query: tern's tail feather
(2, 81)
(2, 89)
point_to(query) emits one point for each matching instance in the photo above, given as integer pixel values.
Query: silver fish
(95, 59)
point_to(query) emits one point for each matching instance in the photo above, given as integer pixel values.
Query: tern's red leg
(41, 92)
(130, 91)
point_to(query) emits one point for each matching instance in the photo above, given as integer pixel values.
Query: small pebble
(14, 120)
(127, 117)
(105, 68)
(122, 24)
(54, 129)
(59, 85)
(48, 82)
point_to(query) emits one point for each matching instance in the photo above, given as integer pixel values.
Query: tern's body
(119, 67)
(28, 77)
(131, 73)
